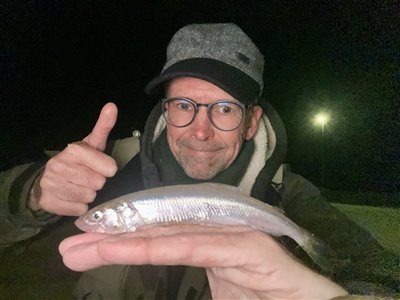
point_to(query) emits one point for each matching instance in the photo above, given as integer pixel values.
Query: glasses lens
(178, 112)
(226, 115)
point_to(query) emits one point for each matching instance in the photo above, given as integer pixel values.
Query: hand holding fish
(71, 178)
(240, 262)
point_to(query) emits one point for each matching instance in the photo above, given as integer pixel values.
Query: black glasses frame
(196, 105)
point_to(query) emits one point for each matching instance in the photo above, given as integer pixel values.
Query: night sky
(61, 61)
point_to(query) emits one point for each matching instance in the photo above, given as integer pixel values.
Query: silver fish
(206, 203)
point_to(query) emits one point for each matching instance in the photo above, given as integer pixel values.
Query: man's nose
(201, 126)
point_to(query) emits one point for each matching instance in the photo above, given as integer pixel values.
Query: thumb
(105, 123)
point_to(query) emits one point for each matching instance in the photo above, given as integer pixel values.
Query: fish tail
(321, 254)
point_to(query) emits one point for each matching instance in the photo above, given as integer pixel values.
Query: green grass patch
(383, 223)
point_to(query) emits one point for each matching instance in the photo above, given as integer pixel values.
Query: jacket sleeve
(367, 267)
(17, 222)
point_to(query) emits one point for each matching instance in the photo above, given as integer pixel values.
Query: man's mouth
(202, 147)
(202, 151)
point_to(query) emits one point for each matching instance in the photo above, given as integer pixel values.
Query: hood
(270, 149)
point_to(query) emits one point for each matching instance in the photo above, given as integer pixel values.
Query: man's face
(202, 150)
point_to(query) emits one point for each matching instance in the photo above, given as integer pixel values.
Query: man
(212, 125)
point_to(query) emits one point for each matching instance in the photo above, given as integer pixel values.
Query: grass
(383, 223)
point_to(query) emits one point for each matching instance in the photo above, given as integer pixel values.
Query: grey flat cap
(219, 53)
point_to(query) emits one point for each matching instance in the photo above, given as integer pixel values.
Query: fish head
(109, 219)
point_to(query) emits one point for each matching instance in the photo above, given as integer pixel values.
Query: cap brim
(233, 81)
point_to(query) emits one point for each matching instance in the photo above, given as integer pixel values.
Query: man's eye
(226, 109)
(184, 106)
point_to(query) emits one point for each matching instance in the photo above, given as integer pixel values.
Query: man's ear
(253, 122)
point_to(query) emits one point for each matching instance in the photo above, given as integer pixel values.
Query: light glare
(321, 119)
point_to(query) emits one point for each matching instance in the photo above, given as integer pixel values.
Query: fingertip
(109, 168)
(81, 258)
(79, 240)
(109, 112)
(105, 123)
(113, 169)
(65, 245)
(110, 108)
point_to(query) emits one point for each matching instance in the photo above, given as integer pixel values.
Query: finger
(65, 190)
(157, 230)
(154, 231)
(82, 257)
(80, 239)
(149, 247)
(61, 170)
(69, 192)
(85, 155)
(60, 207)
(105, 123)
(189, 249)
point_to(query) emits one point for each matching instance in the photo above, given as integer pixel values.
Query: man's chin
(201, 174)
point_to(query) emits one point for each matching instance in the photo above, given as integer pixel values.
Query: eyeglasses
(225, 115)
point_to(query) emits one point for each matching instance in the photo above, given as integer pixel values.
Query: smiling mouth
(202, 153)
(202, 149)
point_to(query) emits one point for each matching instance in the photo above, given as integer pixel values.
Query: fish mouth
(88, 227)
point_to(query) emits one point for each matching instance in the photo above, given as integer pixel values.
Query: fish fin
(231, 188)
(321, 254)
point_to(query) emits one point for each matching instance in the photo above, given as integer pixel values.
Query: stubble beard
(201, 168)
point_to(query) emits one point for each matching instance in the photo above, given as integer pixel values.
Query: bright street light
(321, 119)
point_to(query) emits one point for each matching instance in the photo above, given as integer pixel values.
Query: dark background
(61, 61)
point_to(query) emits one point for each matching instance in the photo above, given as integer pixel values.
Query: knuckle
(74, 147)
(55, 165)
(50, 164)
(45, 183)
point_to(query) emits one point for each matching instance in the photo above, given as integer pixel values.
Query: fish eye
(97, 216)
